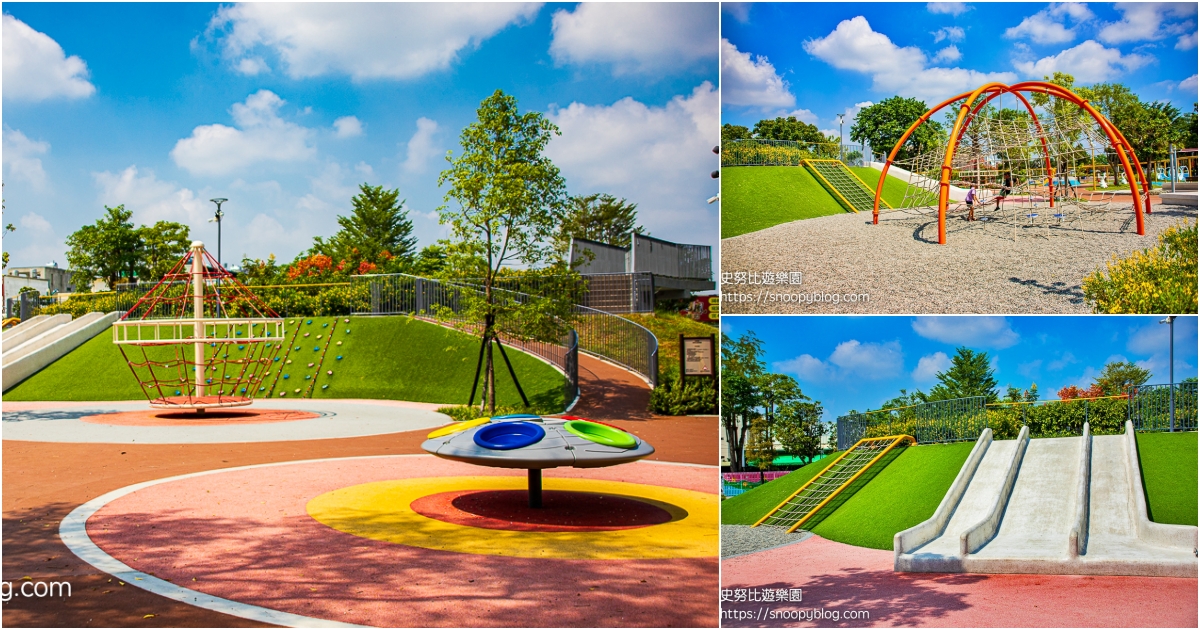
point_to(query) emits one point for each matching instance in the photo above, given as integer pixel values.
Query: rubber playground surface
(839, 582)
(304, 537)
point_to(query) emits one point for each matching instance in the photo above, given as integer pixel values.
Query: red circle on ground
(154, 417)
(560, 512)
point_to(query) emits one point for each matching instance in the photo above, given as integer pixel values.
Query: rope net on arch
(1059, 166)
(199, 338)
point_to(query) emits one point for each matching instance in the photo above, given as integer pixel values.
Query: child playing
(971, 203)
(1005, 190)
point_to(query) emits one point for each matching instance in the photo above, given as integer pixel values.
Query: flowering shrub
(1158, 280)
(1072, 392)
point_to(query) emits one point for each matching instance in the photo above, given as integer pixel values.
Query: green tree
(799, 430)
(741, 371)
(431, 260)
(969, 375)
(9, 228)
(881, 125)
(162, 245)
(1185, 130)
(107, 249)
(733, 133)
(506, 196)
(377, 227)
(598, 217)
(788, 129)
(1119, 376)
(760, 446)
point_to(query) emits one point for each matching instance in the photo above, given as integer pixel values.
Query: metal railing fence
(763, 152)
(938, 421)
(1150, 407)
(597, 333)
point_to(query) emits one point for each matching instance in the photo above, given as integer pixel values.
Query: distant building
(631, 279)
(47, 279)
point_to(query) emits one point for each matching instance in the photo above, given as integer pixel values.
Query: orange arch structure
(973, 102)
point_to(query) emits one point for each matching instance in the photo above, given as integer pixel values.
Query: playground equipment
(843, 183)
(815, 494)
(199, 339)
(1071, 505)
(535, 443)
(1022, 157)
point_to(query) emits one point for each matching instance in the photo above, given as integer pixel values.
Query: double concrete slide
(39, 341)
(1070, 505)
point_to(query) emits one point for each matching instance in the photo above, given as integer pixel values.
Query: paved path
(837, 577)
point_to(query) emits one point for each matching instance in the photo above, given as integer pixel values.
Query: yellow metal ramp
(848, 188)
(817, 492)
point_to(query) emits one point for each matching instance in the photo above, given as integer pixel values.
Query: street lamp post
(841, 138)
(1170, 320)
(217, 218)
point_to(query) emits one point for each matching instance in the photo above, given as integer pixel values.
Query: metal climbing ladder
(845, 185)
(821, 489)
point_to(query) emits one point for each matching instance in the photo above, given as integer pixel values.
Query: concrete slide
(30, 328)
(27, 358)
(956, 193)
(1055, 505)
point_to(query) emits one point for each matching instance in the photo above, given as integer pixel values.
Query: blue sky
(285, 108)
(816, 60)
(849, 362)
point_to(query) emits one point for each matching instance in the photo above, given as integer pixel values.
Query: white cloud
(805, 366)
(1089, 62)
(949, 54)
(855, 46)
(1048, 26)
(656, 157)
(1031, 369)
(803, 115)
(252, 66)
(36, 68)
(868, 360)
(1188, 84)
(1066, 359)
(635, 37)
(260, 137)
(347, 127)
(948, 8)
(362, 40)
(20, 157)
(35, 222)
(929, 366)
(365, 169)
(977, 332)
(850, 359)
(751, 81)
(150, 199)
(951, 33)
(421, 146)
(1145, 21)
(1187, 41)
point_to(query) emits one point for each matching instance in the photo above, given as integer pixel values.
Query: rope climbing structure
(1028, 158)
(199, 339)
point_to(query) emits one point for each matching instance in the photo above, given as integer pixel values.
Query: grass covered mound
(1169, 475)
(899, 491)
(388, 358)
(758, 197)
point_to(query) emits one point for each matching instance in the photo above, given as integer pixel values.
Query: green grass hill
(390, 358)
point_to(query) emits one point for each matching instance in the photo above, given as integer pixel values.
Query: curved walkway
(838, 578)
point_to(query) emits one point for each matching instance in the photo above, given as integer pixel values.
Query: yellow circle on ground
(382, 510)
(456, 427)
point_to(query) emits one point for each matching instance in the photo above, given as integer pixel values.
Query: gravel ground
(739, 539)
(1001, 266)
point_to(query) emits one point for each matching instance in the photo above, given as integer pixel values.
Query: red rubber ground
(246, 536)
(837, 577)
(159, 418)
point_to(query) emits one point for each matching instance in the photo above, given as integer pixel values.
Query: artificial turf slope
(389, 358)
(1169, 476)
(758, 197)
(898, 492)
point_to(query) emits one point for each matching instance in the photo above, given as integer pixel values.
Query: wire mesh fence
(595, 332)
(1147, 406)
(1150, 407)
(763, 152)
(938, 421)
